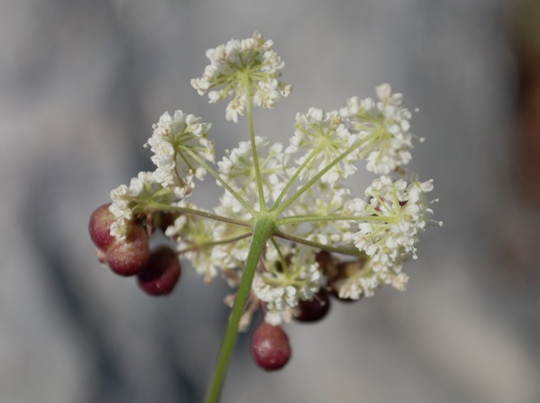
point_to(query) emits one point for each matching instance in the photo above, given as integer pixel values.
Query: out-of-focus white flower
(239, 66)
(171, 140)
(383, 127)
(196, 237)
(324, 200)
(238, 168)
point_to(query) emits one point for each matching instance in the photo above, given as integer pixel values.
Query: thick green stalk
(264, 228)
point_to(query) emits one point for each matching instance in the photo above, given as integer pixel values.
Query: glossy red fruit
(315, 309)
(127, 258)
(100, 227)
(270, 347)
(162, 272)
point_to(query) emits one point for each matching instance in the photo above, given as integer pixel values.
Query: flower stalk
(264, 228)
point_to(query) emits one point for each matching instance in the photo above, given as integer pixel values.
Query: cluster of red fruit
(157, 272)
(270, 345)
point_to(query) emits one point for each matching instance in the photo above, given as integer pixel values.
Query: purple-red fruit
(100, 227)
(315, 309)
(165, 219)
(127, 258)
(270, 347)
(161, 273)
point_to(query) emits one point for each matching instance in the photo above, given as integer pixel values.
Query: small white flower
(384, 127)
(397, 213)
(322, 137)
(362, 286)
(173, 139)
(195, 237)
(238, 168)
(233, 63)
(127, 201)
(400, 281)
(324, 199)
(282, 289)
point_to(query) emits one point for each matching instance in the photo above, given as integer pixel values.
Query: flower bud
(162, 272)
(270, 347)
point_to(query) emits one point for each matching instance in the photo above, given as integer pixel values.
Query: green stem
(220, 180)
(296, 174)
(264, 228)
(312, 181)
(315, 218)
(214, 243)
(153, 206)
(249, 106)
(344, 250)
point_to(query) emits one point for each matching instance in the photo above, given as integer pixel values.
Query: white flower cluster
(322, 136)
(281, 288)
(325, 200)
(239, 66)
(396, 212)
(366, 281)
(384, 129)
(238, 168)
(174, 140)
(201, 242)
(123, 207)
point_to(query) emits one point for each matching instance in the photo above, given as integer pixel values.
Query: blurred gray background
(82, 81)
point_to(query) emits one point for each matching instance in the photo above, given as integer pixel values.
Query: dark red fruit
(100, 227)
(315, 309)
(324, 259)
(127, 258)
(161, 273)
(165, 219)
(270, 347)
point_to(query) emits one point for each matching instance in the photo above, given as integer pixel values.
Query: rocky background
(82, 81)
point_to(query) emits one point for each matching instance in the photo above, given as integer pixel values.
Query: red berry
(315, 309)
(165, 219)
(127, 258)
(324, 259)
(270, 347)
(100, 227)
(161, 273)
